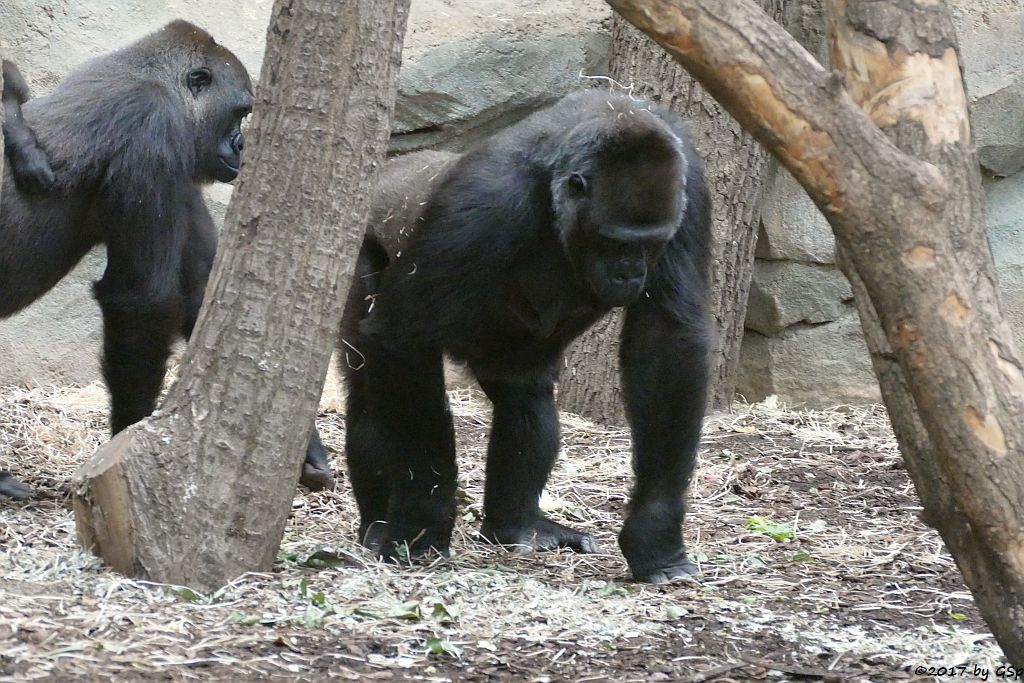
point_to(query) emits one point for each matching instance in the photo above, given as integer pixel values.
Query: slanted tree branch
(883, 147)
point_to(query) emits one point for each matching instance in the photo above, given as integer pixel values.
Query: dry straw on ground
(855, 587)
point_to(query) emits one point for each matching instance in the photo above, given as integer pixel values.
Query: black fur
(500, 257)
(31, 168)
(131, 136)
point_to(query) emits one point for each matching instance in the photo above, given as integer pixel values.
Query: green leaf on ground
(439, 646)
(777, 531)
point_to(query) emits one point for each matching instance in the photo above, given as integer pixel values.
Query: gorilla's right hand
(31, 168)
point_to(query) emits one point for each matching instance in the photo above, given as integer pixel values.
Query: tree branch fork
(883, 147)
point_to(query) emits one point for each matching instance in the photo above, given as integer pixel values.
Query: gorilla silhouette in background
(500, 257)
(127, 140)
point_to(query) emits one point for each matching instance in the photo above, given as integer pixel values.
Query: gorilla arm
(29, 164)
(664, 360)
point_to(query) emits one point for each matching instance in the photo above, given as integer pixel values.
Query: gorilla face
(618, 205)
(220, 95)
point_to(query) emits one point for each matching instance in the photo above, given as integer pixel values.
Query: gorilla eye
(578, 185)
(199, 79)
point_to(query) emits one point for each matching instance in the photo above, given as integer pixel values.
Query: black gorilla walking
(130, 136)
(500, 257)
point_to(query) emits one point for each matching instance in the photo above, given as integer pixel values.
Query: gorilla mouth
(227, 171)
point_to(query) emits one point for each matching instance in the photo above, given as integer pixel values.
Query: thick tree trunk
(908, 215)
(736, 167)
(857, 37)
(200, 492)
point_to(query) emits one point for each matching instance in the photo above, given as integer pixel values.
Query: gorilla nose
(628, 271)
(237, 143)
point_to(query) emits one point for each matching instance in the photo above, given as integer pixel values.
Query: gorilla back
(501, 257)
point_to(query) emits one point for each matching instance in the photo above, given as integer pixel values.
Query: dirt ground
(805, 526)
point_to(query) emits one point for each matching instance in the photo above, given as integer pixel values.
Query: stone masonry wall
(803, 340)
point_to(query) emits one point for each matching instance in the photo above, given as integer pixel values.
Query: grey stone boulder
(473, 67)
(792, 228)
(815, 365)
(784, 293)
(991, 37)
(1006, 235)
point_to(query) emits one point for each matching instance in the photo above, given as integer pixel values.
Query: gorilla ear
(199, 79)
(578, 185)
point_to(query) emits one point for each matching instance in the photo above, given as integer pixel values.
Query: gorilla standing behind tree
(500, 257)
(130, 136)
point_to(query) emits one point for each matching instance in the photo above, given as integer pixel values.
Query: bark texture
(200, 492)
(900, 184)
(736, 166)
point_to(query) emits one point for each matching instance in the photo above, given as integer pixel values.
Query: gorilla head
(619, 195)
(217, 95)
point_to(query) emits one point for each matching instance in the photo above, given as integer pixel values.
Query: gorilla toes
(675, 568)
(392, 545)
(31, 169)
(12, 488)
(542, 534)
(372, 535)
(404, 551)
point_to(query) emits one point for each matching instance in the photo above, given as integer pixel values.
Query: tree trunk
(199, 492)
(736, 167)
(907, 210)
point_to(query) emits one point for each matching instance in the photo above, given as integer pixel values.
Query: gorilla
(130, 136)
(500, 257)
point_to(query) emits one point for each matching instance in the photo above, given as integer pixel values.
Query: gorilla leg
(137, 337)
(664, 372)
(316, 472)
(400, 423)
(367, 464)
(520, 454)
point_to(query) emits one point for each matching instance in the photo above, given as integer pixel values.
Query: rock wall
(803, 338)
(469, 68)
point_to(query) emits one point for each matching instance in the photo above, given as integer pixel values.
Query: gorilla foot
(674, 569)
(542, 534)
(316, 478)
(372, 535)
(316, 470)
(12, 488)
(403, 548)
